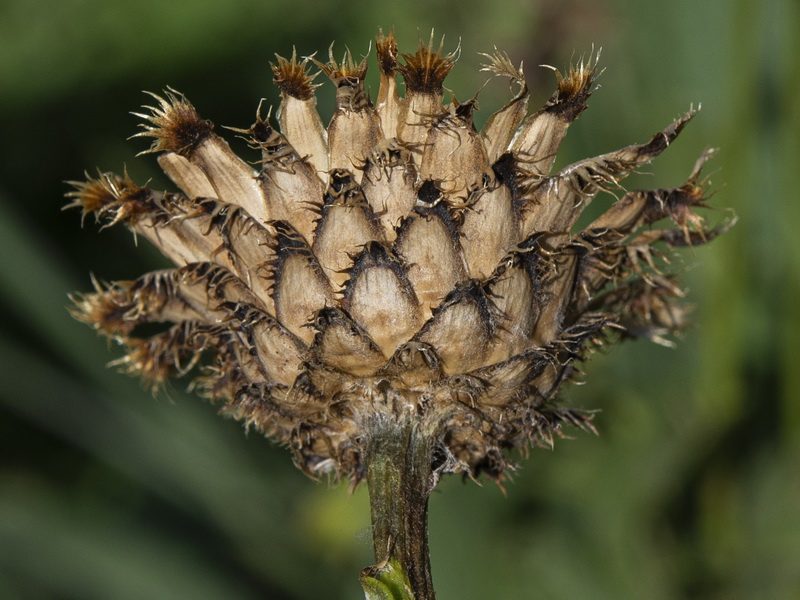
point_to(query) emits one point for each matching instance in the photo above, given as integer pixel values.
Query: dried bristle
(294, 78)
(263, 136)
(174, 123)
(425, 71)
(463, 110)
(91, 195)
(110, 198)
(500, 65)
(387, 52)
(105, 309)
(176, 350)
(574, 88)
(348, 72)
(348, 77)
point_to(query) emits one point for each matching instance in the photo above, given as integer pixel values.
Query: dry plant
(398, 295)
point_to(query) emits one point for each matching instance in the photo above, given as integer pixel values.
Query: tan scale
(342, 344)
(389, 185)
(429, 247)
(464, 316)
(344, 227)
(556, 202)
(301, 287)
(291, 185)
(538, 140)
(500, 127)
(388, 102)
(298, 117)
(454, 155)
(186, 176)
(513, 292)
(423, 72)
(355, 129)
(490, 227)
(380, 299)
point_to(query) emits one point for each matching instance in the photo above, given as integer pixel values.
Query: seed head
(395, 264)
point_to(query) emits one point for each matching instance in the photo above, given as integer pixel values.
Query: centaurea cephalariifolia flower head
(396, 295)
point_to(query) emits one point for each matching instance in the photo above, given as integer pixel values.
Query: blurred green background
(692, 490)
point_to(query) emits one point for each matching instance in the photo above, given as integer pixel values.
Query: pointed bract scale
(165, 220)
(504, 380)
(262, 406)
(454, 155)
(557, 202)
(298, 116)
(388, 103)
(489, 229)
(417, 113)
(189, 178)
(557, 266)
(355, 128)
(466, 314)
(414, 365)
(177, 127)
(428, 244)
(117, 309)
(341, 344)
(537, 142)
(193, 292)
(605, 261)
(345, 226)
(424, 73)
(643, 207)
(515, 291)
(316, 385)
(547, 383)
(232, 178)
(185, 231)
(201, 287)
(608, 262)
(278, 353)
(611, 253)
(677, 238)
(502, 125)
(572, 343)
(300, 285)
(648, 308)
(244, 245)
(172, 353)
(181, 242)
(222, 380)
(291, 185)
(352, 135)
(389, 185)
(380, 299)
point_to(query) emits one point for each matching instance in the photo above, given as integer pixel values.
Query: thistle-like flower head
(397, 264)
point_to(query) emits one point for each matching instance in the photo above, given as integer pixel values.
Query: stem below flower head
(399, 457)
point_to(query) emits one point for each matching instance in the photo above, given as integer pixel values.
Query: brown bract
(174, 123)
(294, 78)
(426, 70)
(394, 266)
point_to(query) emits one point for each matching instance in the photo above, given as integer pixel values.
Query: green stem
(400, 477)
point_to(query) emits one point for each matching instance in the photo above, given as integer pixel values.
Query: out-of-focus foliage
(692, 488)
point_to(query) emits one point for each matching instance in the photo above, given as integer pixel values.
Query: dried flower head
(396, 261)
(396, 266)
